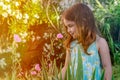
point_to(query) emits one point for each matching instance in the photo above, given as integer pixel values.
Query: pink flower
(17, 38)
(33, 72)
(49, 65)
(59, 36)
(37, 67)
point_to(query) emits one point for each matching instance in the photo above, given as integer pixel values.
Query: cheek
(75, 30)
(76, 33)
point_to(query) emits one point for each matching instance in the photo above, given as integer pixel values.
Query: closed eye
(70, 25)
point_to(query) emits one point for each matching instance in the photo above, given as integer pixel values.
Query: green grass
(13, 75)
(116, 72)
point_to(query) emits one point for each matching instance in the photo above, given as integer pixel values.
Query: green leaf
(79, 74)
(93, 75)
(68, 73)
(103, 73)
(112, 77)
(44, 72)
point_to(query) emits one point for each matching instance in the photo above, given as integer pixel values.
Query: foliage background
(37, 23)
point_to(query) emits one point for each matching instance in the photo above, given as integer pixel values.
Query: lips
(71, 34)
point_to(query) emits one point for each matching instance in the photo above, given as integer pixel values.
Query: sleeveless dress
(90, 63)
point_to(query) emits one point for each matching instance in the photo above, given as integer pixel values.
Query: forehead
(68, 22)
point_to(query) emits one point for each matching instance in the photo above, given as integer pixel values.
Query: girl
(81, 30)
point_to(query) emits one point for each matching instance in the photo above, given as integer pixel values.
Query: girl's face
(71, 27)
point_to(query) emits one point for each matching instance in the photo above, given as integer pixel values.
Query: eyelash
(70, 26)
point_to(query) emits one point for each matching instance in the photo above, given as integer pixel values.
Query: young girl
(81, 30)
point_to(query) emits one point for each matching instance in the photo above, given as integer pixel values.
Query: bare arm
(66, 64)
(105, 57)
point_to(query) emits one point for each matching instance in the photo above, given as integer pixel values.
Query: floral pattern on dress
(90, 62)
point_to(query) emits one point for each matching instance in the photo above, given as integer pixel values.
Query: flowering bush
(21, 47)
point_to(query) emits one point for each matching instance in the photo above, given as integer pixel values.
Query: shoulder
(101, 42)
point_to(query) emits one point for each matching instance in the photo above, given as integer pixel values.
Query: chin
(74, 37)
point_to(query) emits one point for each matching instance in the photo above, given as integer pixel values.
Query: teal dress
(90, 63)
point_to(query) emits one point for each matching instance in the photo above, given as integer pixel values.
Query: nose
(68, 30)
